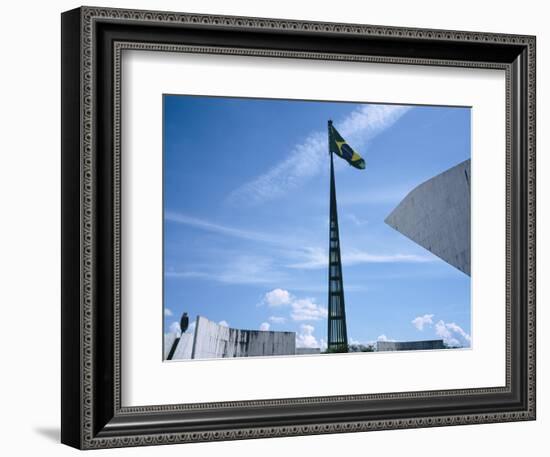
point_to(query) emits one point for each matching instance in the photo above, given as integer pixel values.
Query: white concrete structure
(211, 340)
(169, 339)
(436, 215)
(184, 349)
(217, 341)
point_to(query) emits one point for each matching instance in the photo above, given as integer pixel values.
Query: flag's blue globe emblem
(347, 152)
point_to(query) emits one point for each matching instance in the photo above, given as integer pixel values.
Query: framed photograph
(274, 227)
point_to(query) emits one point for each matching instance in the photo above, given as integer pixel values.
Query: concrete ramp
(436, 215)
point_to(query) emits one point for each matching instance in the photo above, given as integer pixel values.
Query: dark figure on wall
(184, 322)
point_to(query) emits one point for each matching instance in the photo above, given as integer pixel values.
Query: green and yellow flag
(341, 148)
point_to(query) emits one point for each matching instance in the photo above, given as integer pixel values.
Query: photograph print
(305, 228)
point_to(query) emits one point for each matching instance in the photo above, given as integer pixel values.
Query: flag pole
(337, 340)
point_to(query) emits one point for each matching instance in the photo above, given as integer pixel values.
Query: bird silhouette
(184, 322)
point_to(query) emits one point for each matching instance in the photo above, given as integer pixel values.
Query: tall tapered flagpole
(337, 330)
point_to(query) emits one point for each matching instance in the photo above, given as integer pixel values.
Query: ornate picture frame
(93, 40)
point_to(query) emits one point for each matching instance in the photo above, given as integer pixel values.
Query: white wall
(30, 244)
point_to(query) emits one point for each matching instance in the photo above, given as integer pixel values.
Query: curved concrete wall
(436, 215)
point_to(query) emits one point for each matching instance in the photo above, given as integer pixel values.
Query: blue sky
(246, 185)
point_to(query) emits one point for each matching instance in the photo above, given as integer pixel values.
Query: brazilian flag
(341, 148)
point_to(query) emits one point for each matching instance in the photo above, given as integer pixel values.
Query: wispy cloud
(322, 287)
(354, 257)
(318, 258)
(203, 224)
(353, 218)
(186, 274)
(305, 161)
(375, 195)
(244, 269)
(308, 158)
(168, 312)
(253, 269)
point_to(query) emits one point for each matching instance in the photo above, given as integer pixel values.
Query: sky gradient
(246, 187)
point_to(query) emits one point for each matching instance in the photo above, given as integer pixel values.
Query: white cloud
(315, 258)
(304, 161)
(175, 328)
(375, 195)
(306, 310)
(250, 269)
(383, 337)
(445, 334)
(308, 158)
(321, 288)
(168, 312)
(368, 121)
(264, 326)
(242, 269)
(356, 256)
(208, 226)
(223, 323)
(457, 329)
(452, 334)
(301, 309)
(305, 338)
(420, 321)
(353, 218)
(277, 297)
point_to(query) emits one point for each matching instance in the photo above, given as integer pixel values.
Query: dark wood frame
(92, 42)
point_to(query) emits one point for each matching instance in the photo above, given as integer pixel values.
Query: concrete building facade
(436, 215)
(214, 341)
(217, 341)
(409, 345)
(211, 341)
(308, 351)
